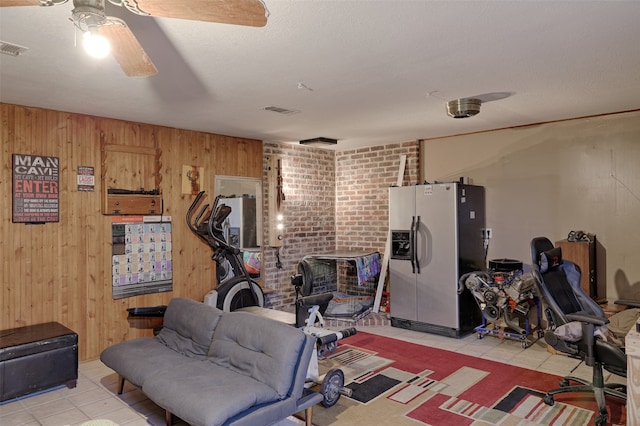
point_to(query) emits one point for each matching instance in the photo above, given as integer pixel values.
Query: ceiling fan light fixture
(96, 45)
(320, 142)
(463, 108)
(88, 16)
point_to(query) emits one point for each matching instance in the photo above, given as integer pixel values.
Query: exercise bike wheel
(331, 386)
(305, 269)
(240, 296)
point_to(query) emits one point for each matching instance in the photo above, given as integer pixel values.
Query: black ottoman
(37, 357)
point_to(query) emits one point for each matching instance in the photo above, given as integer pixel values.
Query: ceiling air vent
(280, 110)
(12, 49)
(319, 142)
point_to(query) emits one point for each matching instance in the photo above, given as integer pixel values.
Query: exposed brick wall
(308, 176)
(333, 201)
(363, 177)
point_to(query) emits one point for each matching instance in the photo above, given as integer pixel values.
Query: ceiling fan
(89, 16)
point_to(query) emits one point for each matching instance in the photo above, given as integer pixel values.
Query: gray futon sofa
(210, 367)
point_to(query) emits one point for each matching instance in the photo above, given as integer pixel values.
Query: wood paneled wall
(62, 271)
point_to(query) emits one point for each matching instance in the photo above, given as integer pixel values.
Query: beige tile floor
(95, 395)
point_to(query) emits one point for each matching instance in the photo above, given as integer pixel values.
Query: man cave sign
(35, 188)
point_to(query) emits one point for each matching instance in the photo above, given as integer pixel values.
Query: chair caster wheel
(480, 336)
(601, 419)
(548, 399)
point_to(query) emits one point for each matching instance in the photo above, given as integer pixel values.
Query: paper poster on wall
(86, 179)
(35, 188)
(141, 260)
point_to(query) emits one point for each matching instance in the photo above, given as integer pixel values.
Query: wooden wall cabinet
(132, 204)
(583, 254)
(130, 168)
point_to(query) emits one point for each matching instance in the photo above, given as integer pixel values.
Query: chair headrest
(550, 259)
(538, 245)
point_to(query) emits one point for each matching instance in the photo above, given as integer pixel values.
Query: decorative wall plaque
(35, 188)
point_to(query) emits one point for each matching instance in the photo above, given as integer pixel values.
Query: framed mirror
(243, 227)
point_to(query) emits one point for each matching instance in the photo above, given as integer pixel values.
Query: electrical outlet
(486, 233)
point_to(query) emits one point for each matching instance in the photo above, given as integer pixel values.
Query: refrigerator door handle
(415, 244)
(412, 244)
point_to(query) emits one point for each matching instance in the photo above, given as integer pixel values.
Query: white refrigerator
(436, 237)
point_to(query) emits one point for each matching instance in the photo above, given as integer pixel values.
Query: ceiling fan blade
(126, 49)
(12, 3)
(238, 12)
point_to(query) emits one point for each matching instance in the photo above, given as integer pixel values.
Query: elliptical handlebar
(208, 220)
(191, 209)
(218, 214)
(196, 222)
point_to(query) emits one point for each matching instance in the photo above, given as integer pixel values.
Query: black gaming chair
(564, 301)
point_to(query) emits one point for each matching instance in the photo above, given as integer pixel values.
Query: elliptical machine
(235, 288)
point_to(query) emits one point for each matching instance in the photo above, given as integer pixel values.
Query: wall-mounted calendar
(141, 260)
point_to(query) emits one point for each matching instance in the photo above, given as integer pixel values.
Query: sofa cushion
(138, 359)
(258, 347)
(188, 326)
(203, 393)
(187, 331)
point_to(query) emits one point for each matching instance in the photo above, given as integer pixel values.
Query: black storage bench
(37, 357)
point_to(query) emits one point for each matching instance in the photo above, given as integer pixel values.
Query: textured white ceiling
(372, 72)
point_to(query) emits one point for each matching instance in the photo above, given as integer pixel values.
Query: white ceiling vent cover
(12, 49)
(280, 110)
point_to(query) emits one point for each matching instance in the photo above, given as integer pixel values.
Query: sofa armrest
(300, 375)
(308, 399)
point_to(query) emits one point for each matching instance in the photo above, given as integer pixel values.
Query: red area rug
(396, 383)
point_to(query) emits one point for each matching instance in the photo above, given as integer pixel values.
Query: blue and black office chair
(566, 306)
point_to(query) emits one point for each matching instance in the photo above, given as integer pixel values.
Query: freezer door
(402, 279)
(437, 255)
